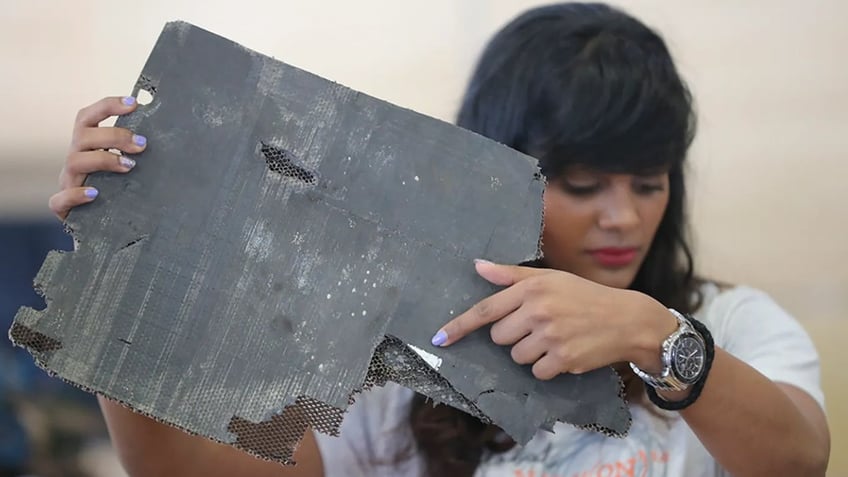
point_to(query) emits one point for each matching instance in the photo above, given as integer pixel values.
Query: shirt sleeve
(374, 437)
(751, 326)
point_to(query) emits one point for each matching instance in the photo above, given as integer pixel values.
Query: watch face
(688, 358)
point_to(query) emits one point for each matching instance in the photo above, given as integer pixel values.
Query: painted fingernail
(91, 192)
(128, 100)
(126, 162)
(139, 140)
(480, 260)
(439, 338)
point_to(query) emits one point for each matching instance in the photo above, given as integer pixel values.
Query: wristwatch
(684, 358)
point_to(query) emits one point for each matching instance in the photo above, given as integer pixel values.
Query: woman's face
(600, 225)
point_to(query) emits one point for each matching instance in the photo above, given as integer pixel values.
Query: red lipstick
(614, 257)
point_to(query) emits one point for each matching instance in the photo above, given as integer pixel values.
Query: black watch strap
(698, 386)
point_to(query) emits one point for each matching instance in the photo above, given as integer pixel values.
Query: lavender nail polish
(91, 192)
(128, 100)
(126, 162)
(139, 140)
(439, 338)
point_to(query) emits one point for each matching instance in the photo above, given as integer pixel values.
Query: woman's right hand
(90, 152)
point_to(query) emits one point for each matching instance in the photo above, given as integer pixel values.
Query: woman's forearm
(149, 448)
(753, 426)
(144, 446)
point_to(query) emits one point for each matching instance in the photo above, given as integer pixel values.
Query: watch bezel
(669, 378)
(673, 356)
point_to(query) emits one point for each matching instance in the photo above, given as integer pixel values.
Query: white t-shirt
(744, 322)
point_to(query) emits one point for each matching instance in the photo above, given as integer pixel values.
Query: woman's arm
(561, 323)
(149, 448)
(753, 426)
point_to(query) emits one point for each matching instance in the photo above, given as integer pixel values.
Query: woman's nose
(619, 211)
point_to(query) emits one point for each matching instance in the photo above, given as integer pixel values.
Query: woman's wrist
(650, 324)
(674, 396)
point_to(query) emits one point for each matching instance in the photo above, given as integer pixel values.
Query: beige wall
(769, 76)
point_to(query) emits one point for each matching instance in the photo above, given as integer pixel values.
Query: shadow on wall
(45, 424)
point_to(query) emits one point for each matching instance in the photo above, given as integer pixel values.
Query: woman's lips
(614, 256)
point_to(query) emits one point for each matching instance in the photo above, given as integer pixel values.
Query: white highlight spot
(374, 285)
(259, 241)
(434, 361)
(364, 312)
(329, 296)
(353, 291)
(368, 272)
(416, 179)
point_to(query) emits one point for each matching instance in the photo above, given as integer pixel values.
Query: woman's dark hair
(577, 84)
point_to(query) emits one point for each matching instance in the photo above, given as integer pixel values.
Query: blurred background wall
(770, 182)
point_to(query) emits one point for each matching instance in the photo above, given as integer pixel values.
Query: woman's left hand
(562, 323)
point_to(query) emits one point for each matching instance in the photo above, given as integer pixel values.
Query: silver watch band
(665, 380)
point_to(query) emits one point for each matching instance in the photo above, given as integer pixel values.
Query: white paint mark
(211, 118)
(364, 312)
(434, 361)
(373, 252)
(321, 367)
(416, 179)
(353, 291)
(368, 272)
(402, 182)
(451, 312)
(374, 285)
(259, 241)
(366, 293)
(329, 296)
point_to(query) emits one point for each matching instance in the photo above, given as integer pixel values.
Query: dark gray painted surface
(276, 228)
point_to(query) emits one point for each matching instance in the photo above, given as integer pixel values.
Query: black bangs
(581, 84)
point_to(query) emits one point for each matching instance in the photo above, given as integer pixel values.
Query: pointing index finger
(486, 311)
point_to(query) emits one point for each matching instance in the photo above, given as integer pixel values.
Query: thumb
(505, 275)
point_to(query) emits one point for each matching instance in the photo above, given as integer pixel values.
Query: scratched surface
(276, 230)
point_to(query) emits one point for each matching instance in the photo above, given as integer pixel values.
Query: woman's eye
(649, 188)
(580, 189)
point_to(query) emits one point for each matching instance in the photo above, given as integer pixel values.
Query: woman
(594, 95)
